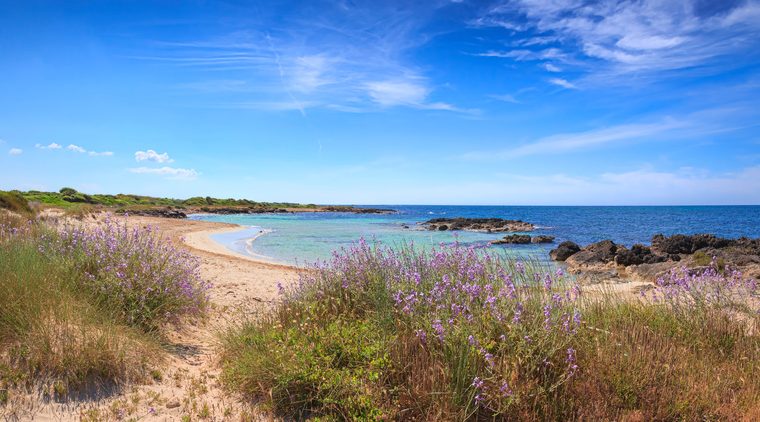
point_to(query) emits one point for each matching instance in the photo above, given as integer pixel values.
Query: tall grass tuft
(459, 334)
(85, 307)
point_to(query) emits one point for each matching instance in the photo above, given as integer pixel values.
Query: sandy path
(189, 385)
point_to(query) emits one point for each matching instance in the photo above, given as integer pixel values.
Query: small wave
(249, 242)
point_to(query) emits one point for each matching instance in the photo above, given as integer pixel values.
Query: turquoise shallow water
(304, 238)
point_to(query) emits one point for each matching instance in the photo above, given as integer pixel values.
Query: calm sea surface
(304, 238)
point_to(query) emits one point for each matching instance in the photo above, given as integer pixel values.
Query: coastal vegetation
(86, 308)
(71, 198)
(458, 334)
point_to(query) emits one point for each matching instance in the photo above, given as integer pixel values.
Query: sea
(303, 239)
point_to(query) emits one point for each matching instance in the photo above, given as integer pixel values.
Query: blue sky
(430, 102)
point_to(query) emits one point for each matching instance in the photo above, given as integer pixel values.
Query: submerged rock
(542, 239)
(519, 239)
(487, 225)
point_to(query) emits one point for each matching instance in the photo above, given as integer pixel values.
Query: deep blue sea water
(303, 238)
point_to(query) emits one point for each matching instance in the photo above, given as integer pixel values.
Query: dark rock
(637, 255)
(542, 239)
(520, 239)
(155, 212)
(487, 225)
(688, 244)
(565, 250)
(593, 254)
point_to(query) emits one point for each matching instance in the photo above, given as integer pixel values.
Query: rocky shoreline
(606, 261)
(175, 212)
(486, 225)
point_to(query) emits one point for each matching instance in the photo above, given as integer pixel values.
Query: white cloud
(410, 92)
(76, 148)
(15, 151)
(563, 83)
(397, 92)
(506, 97)
(49, 146)
(170, 172)
(100, 154)
(562, 143)
(552, 68)
(151, 155)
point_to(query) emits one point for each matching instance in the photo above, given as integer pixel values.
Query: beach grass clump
(85, 307)
(136, 273)
(50, 333)
(688, 350)
(381, 333)
(15, 202)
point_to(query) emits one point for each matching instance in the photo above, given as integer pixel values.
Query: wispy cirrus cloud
(174, 173)
(348, 57)
(640, 36)
(562, 143)
(645, 185)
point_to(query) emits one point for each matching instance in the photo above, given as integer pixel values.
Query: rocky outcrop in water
(357, 210)
(514, 239)
(522, 239)
(241, 210)
(488, 225)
